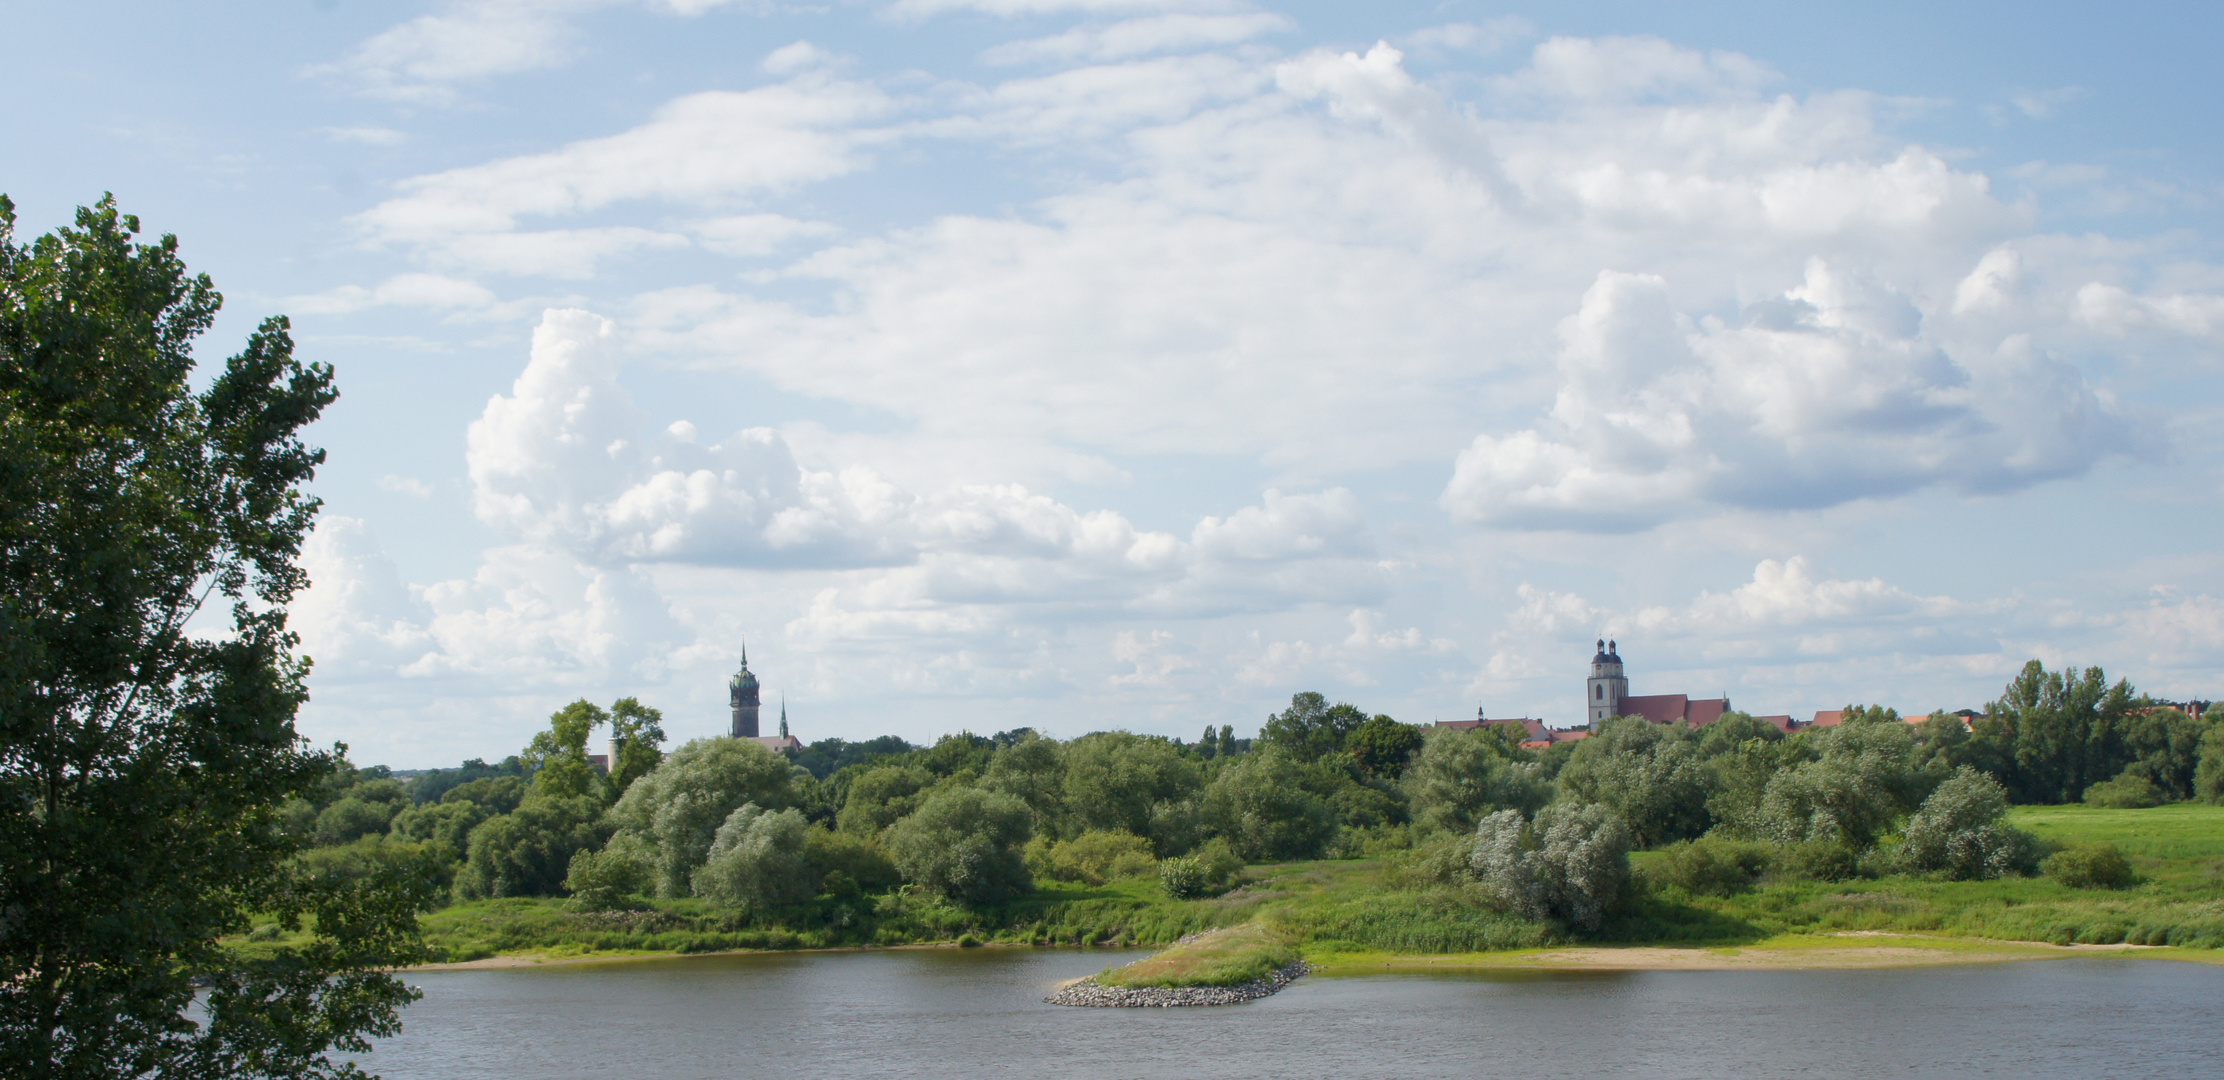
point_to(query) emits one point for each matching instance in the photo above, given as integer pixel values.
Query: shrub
(447, 825)
(861, 861)
(1958, 831)
(1182, 878)
(1819, 860)
(2090, 866)
(757, 861)
(499, 794)
(1093, 857)
(2131, 789)
(963, 845)
(603, 880)
(1569, 864)
(1862, 779)
(1713, 865)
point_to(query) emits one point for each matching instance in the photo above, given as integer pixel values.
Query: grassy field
(1348, 915)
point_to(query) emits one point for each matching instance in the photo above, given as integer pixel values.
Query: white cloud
(713, 149)
(1139, 37)
(2117, 312)
(405, 485)
(365, 136)
(421, 60)
(920, 9)
(1629, 68)
(1829, 394)
(431, 291)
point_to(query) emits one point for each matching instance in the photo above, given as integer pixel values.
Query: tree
(558, 756)
(1311, 727)
(145, 767)
(880, 796)
(1860, 781)
(637, 734)
(668, 818)
(1383, 746)
(1649, 773)
(2065, 729)
(1569, 864)
(1460, 777)
(1261, 806)
(1114, 780)
(757, 861)
(1958, 831)
(964, 845)
(528, 852)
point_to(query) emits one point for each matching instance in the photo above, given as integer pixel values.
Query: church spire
(783, 714)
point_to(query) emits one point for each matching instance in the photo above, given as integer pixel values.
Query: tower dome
(741, 693)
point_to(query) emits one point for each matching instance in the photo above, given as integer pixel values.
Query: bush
(1716, 866)
(1092, 857)
(2090, 866)
(1819, 860)
(1958, 831)
(2131, 789)
(446, 825)
(603, 880)
(757, 862)
(1650, 775)
(963, 845)
(861, 861)
(1862, 779)
(1182, 878)
(1569, 864)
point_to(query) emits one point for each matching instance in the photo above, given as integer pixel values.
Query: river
(949, 1013)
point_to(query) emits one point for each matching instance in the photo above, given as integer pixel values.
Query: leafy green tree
(2208, 777)
(1958, 831)
(557, 757)
(638, 732)
(880, 796)
(351, 817)
(1461, 777)
(2066, 731)
(1114, 779)
(2165, 747)
(1651, 774)
(1569, 864)
(963, 755)
(498, 794)
(445, 825)
(668, 818)
(859, 861)
(145, 766)
(1033, 771)
(1311, 727)
(964, 845)
(1383, 746)
(1261, 806)
(603, 880)
(757, 862)
(1861, 780)
(528, 852)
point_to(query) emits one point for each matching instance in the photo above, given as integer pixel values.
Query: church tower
(741, 693)
(1604, 690)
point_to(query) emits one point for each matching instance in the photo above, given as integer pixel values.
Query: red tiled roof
(1675, 709)
(1828, 718)
(1783, 723)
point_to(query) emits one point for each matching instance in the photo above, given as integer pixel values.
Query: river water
(949, 1013)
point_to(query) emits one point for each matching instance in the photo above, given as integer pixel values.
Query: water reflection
(978, 1012)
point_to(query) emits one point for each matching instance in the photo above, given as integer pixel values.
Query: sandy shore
(1854, 949)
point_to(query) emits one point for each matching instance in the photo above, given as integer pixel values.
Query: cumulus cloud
(432, 291)
(1828, 394)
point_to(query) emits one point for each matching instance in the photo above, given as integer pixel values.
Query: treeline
(976, 820)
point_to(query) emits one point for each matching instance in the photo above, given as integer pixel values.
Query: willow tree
(142, 765)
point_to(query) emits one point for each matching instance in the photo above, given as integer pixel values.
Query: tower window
(1598, 693)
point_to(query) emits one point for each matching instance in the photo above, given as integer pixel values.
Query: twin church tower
(742, 694)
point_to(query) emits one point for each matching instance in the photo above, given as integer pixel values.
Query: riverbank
(1379, 914)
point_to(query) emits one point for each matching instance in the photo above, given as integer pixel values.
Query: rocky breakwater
(1089, 993)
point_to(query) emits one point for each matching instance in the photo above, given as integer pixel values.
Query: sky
(1080, 364)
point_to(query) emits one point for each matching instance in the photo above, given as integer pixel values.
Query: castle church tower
(741, 693)
(1604, 690)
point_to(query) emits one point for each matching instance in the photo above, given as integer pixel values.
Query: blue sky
(1087, 363)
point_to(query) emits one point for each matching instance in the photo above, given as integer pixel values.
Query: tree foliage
(669, 817)
(757, 861)
(145, 767)
(1569, 864)
(964, 844)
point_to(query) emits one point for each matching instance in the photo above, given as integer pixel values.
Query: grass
(1229, 956)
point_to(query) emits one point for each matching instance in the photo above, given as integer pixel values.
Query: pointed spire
(745, 654)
